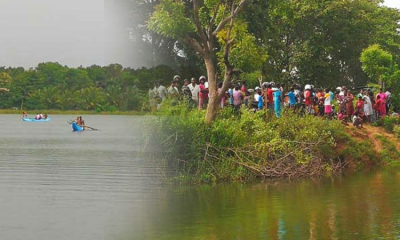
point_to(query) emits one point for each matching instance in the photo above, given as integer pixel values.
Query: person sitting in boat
(80, 122)
(37, 117)
(24, 115)
(45, 116)
(41, 116)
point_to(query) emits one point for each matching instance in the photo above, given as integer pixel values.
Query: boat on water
(36, 120)
(76, 127)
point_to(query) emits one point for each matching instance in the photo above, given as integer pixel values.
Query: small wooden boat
(35, 120)
(76, 127)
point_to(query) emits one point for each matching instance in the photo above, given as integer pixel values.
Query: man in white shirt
(194, 88)
(162, 91)
(388, 99)
(256, 95)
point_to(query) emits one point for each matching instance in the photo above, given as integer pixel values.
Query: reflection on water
(57, 184)
(365, 206)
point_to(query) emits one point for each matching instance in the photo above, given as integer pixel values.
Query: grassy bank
(257, 145)
(69, 112)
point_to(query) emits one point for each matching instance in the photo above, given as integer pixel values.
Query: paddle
(94, 129)
(84, 126)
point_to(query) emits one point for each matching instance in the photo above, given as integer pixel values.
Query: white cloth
(256, 96)
(388, 96)
(195, 91)
(162, 92)
(327, 101)
(367, 106)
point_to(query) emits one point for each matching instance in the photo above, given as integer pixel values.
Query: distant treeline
(53, 86)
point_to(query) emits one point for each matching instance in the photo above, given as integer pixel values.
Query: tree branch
(195, 45)
(229, 41)
(233, 14)
(229, 69)
(198, 26)
(212, 21)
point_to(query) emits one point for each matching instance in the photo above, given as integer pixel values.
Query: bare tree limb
(195, 45)
(198, 26)
(228, 66)
(233, 14)
(229, 41)
(210, 27)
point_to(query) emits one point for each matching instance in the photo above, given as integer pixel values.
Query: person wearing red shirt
(308, 98)
(270, 98)
(203, 94)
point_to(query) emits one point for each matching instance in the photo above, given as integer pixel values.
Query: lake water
(59, 184)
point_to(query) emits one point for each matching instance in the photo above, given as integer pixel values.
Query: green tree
(52, 73)
(320, 42)
(376, 62)
(5, 80)
(214, 30)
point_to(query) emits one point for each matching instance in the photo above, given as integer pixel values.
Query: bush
(396, 131)
(234, 148)
(389, 122)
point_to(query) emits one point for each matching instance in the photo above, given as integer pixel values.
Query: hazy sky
(71, 32)
(389, 3)
(66, 31)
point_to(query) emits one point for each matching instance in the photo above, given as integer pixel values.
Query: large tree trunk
(212, 107)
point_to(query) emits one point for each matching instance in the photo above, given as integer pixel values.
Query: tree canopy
(53, 86)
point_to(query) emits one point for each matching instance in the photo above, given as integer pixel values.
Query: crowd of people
(329, 103)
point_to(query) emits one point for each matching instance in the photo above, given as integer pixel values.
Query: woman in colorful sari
(382, 108)
(349, 104)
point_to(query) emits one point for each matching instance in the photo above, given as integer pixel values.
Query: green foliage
(53, 86)
(389, 154)
(251, 78)
(241, 148)
(390, 122)
(320, 42)
(5, 80)
(245, 54)
(396, 131)
(169, 19)
(375, 62)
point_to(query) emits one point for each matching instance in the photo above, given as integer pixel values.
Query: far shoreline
(70, 112)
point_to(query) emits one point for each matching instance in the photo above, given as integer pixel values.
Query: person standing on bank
(194, 88)
(203, 93)
(187, 94)
(388, 94)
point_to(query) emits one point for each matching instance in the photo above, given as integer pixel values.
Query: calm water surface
(59, 184)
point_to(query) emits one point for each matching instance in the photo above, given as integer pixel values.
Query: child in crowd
(321, 107)
(360, 104)
(357, 120)
(342, 117)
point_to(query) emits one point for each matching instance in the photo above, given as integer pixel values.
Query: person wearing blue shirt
(292, 98)
(260, 100)
(277, 101)
(332, 95)
(230, 91)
